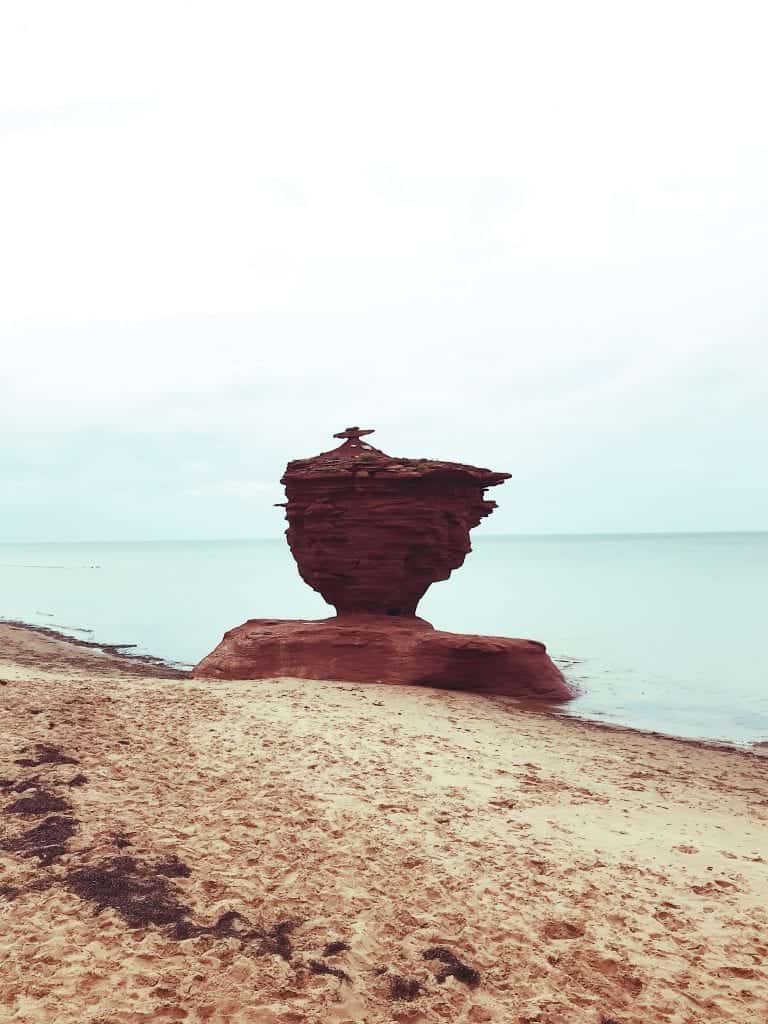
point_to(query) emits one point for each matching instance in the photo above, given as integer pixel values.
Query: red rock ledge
(385, 649)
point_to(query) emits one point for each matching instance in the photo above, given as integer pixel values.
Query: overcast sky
(533, 236)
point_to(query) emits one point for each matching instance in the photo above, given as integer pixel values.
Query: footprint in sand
(563, 930)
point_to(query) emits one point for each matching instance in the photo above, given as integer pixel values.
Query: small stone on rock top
(353, 433)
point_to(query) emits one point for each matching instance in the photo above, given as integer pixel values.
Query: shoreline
(549, 710)
(176, 669)
(729, 746)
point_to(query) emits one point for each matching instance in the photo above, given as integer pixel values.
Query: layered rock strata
(371, 533)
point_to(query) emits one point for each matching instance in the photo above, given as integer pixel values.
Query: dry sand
(588, 874)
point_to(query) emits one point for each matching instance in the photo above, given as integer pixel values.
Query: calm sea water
(664, 632)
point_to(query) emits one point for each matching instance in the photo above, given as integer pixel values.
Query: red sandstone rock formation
(371, 533)
(382, 649)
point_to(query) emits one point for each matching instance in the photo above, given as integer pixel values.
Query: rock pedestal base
(405, 651)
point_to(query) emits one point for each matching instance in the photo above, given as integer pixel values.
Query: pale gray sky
(532, 236)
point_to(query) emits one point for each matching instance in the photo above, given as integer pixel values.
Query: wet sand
(220, 838)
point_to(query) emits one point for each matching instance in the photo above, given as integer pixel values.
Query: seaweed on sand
(171, 867)
(404, 988)
(20, 785)
(232, 925)
(319, 967)
(276, 939)
(453, 966)
(334, 948)
(46, 841)
(46, 753)
(130, 888)
(41, 802)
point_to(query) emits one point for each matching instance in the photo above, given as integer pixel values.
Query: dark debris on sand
(12, 892)
(230, 925)
(171, 867)
(233, 925)
(334, 948)
(276, 939)
(453, 966)
(46, 841)
(403, 988)
(41, 802)
(319, 967)
(20, 785)
(130, 888)
(46, 753)
(142, 893)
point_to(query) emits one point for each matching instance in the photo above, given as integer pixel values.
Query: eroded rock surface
(371, 533)
(383, 649)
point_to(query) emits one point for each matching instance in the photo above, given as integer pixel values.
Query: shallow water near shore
(660, 631)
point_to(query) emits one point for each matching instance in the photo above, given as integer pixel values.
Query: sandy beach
(283, 851)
